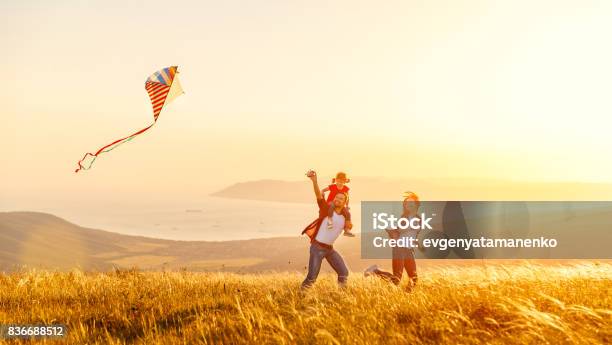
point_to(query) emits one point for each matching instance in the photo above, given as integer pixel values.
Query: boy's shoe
(349, 234)
(370, 270)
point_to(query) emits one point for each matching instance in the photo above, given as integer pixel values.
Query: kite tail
(108, 148)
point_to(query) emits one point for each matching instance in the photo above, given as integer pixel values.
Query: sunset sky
(482, 89)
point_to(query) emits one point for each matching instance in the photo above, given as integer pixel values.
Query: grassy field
(514, 304)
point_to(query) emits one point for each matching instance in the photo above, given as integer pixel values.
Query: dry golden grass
(518, 304)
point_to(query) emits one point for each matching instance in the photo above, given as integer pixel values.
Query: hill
(43, 240)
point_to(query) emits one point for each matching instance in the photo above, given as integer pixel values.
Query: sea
(208, 219)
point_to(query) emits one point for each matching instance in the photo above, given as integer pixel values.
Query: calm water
(211, 219)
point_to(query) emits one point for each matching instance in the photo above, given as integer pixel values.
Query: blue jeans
(317, 254)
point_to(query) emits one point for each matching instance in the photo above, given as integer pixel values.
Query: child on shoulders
(339, 186)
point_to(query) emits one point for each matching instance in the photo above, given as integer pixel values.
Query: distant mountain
(372, 188)
(269, 190)
(369, 188)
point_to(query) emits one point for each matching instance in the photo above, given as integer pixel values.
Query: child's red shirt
(333, 190)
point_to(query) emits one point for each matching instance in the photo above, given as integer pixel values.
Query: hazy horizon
(270, 208)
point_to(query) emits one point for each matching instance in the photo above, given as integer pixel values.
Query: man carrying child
(322, 238)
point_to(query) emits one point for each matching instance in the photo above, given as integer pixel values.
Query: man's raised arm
(312, 175)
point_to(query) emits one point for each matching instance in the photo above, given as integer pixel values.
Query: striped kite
(163, 87)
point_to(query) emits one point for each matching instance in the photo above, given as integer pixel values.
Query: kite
(163, 87)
